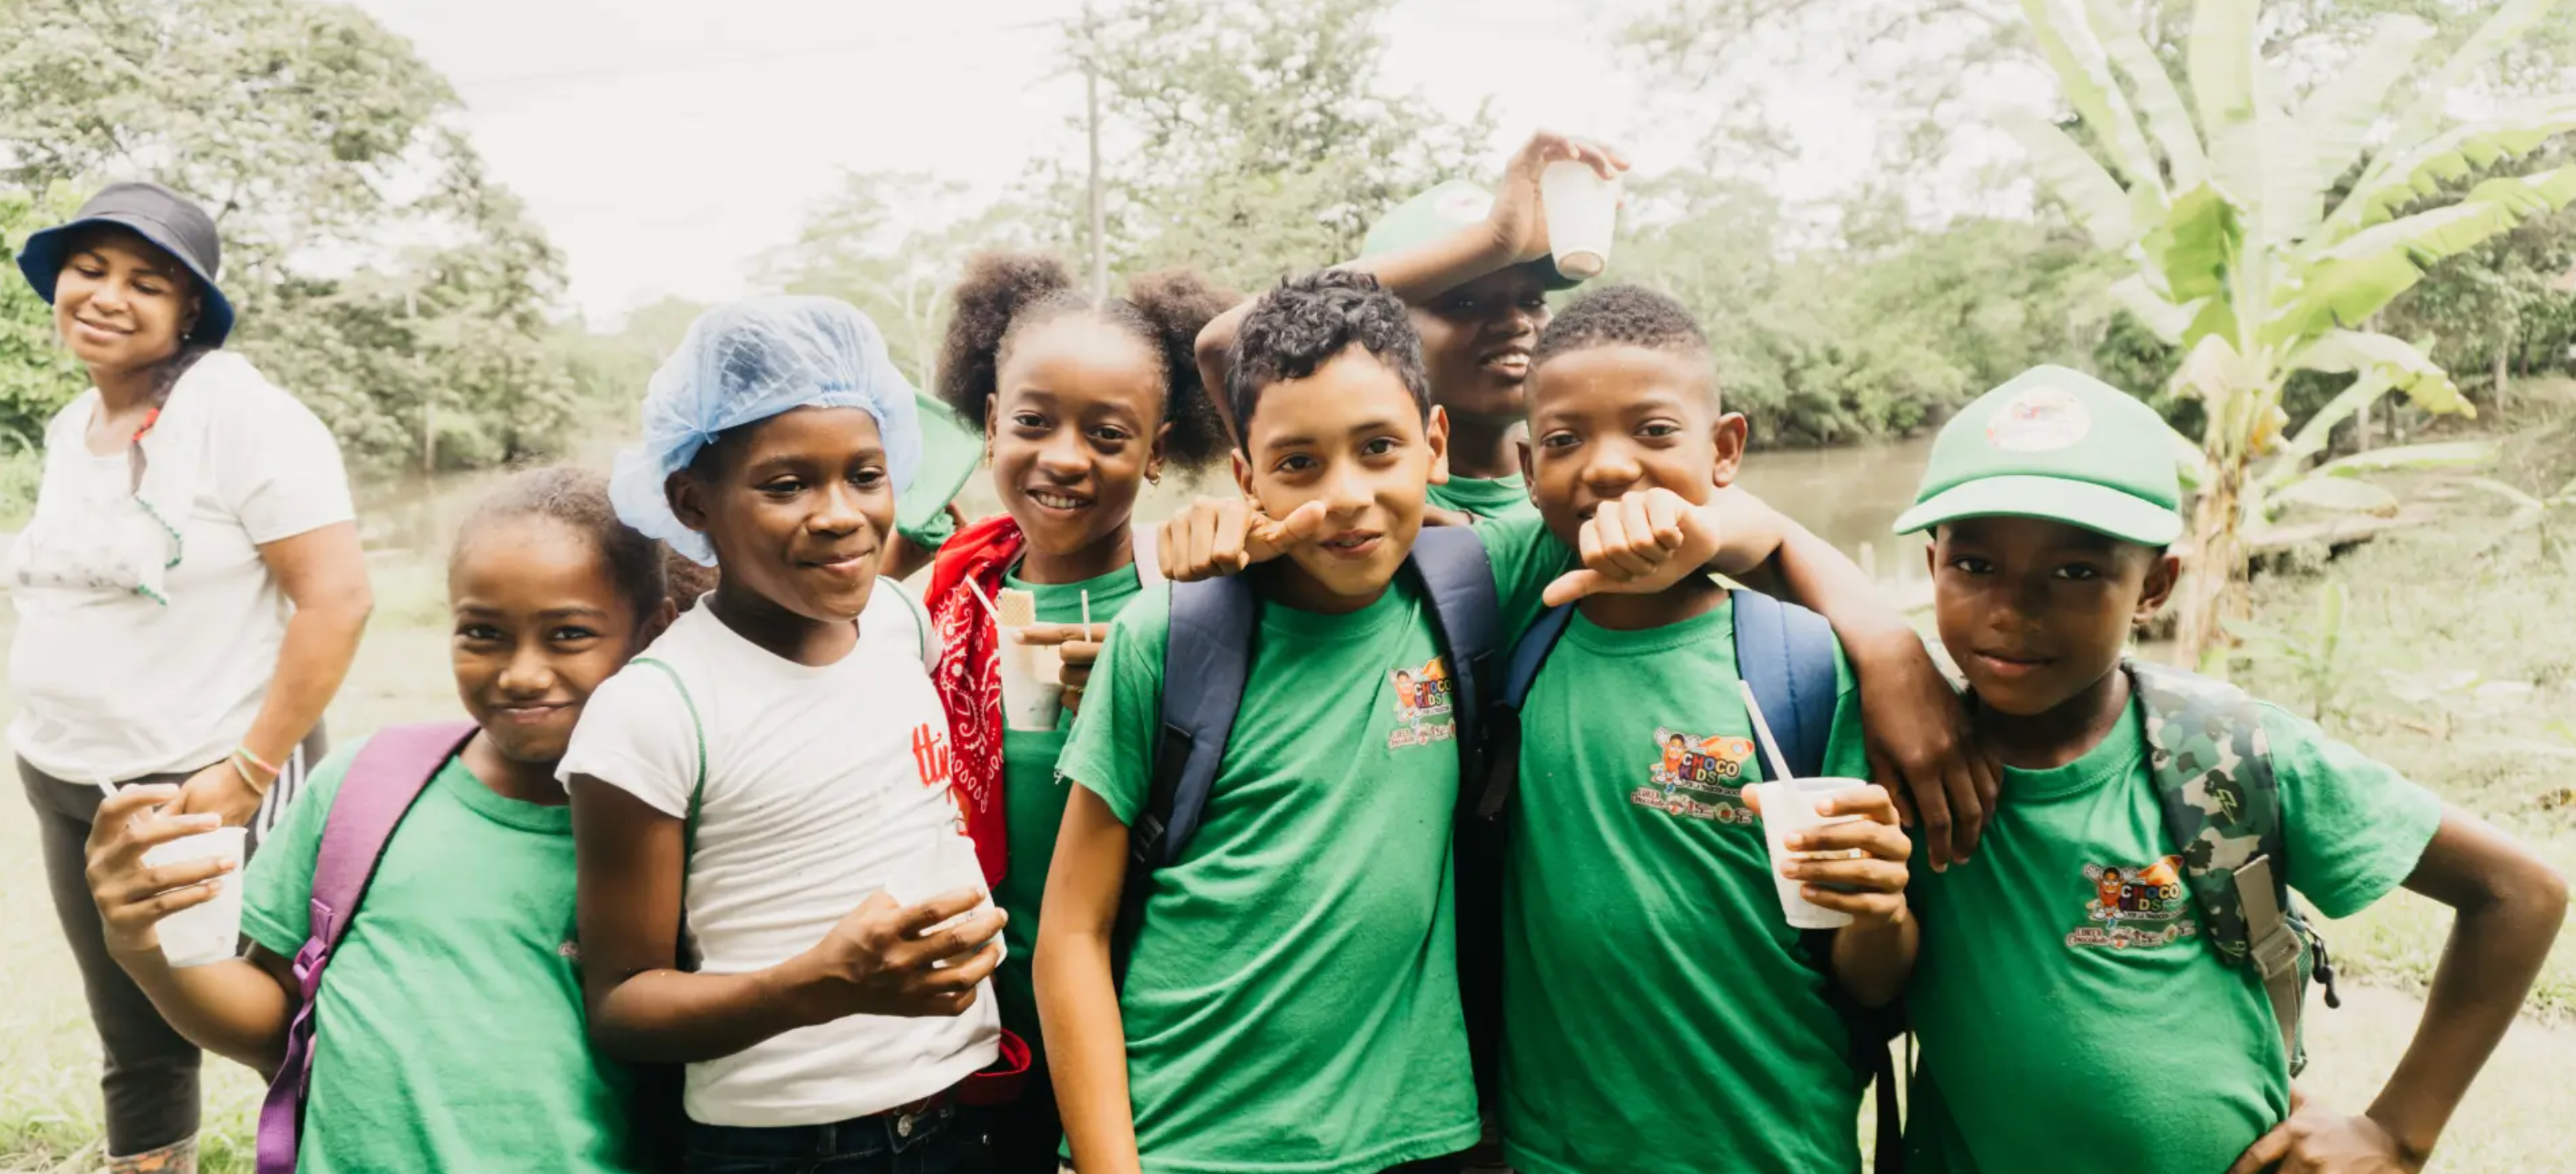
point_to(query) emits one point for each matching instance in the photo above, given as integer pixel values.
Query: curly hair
(1621, 315)
(578, 498)
(1307, 321)
(1002, 294)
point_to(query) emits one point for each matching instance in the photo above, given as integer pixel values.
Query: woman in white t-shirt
(190, 592)
(761, 804)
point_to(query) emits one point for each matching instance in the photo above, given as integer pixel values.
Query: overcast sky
(666, 143)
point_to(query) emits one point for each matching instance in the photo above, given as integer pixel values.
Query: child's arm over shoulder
(1108, 761)
(1922, 744)
(633, 775)
(2352, 827)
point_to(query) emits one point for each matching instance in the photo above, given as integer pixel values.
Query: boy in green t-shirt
(1645, 948)
(1290, 1001)
(2072, 1014)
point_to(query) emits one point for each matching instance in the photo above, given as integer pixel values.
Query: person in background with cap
(1473, 267)
(190, 593)
(2052, 500)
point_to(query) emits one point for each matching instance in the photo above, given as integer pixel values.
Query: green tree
(1261, 140)
(37, 375)
(380, 276)
(891, 244)
(2242, 259)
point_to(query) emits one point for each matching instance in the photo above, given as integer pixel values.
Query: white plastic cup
(1032, 683)
(1582, 215)
(1790, 808)
(210, 932)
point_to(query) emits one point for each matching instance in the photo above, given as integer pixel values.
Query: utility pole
(1091, 117)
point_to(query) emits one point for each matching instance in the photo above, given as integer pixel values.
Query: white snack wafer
(1015, 608)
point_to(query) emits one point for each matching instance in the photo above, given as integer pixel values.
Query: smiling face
(1076, 427)
(539, 623)
(798, 506)
(121, 302)
(2035, 612)
(1609, 420)
(1476, 342)
(1351, 437)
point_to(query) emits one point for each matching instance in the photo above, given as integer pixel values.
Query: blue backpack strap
(1207, 656)
(1786, 653)
(1503, 722)
(1205, 662)
(1457, 579)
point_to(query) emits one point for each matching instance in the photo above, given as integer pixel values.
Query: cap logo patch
(2042, 419)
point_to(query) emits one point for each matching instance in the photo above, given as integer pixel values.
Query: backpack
(2212, 767)
(391, 771)
(1786, 654)
(1208, 658)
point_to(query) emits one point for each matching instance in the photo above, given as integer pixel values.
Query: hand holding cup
(1854, 866)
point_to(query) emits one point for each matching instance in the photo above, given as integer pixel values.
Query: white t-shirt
(823, 785)
(113, 682)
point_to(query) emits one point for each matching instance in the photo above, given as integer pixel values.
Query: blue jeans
(889, 1143)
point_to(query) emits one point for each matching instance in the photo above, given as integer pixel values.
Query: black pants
(150, 1071)
(1020, 1137)
(928, 1142)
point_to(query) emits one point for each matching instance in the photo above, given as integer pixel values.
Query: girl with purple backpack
(454, 1004)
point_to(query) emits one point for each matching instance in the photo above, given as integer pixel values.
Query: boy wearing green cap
(1474, 269)
(2116, 978)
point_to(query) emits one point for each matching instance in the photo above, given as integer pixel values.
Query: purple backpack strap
(391, 770)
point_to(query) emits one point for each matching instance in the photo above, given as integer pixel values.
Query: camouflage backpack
(2212, 766)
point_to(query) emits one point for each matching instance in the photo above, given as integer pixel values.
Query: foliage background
(385, 279)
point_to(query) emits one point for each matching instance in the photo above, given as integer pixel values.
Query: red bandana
(969, 676)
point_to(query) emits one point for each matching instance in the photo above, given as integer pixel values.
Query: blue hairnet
(743, 363)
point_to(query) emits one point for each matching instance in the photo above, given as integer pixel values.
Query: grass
(2468, 595)
(2458, 668)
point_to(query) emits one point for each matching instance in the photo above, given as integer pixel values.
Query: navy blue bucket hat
(164, 217)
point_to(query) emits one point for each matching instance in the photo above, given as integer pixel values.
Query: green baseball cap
(2056, 444)
(1436, 212)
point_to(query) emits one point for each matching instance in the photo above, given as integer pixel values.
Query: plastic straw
(986, 600)
(1086, 613)
(1762, 731)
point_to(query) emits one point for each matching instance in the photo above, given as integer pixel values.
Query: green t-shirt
(2065, 1000)
(1033, 802)
(1486, 497)
(451, 1018)
(1291, 999)
(1659, 1012)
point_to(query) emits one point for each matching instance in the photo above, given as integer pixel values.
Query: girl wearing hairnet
(775, 886)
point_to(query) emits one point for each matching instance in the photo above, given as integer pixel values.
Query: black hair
(689, 580)
(578, 498)
(1622, 315)
(1306, 322)
(1001, 294)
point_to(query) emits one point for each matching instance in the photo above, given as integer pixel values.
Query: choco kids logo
(1423, 700)
(1697, 778)
(2135, 906)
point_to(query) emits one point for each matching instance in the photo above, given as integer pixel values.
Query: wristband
(242, 761)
